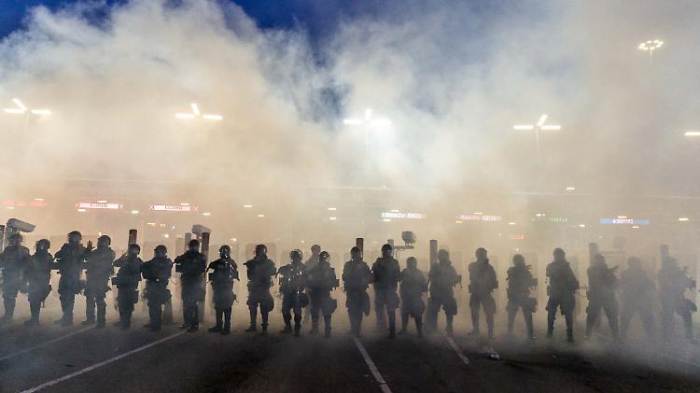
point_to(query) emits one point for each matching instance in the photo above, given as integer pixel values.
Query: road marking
(100, 364)
(454, 346)
(372, 367)
(71, 334)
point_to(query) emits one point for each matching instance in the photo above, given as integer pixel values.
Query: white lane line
(372, 367)
(100, 364)
(65, 336)
(454, 346)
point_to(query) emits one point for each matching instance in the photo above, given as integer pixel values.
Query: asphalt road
(54, 359)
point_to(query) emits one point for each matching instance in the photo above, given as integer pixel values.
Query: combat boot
(264, 328)
(297, 326)
(287, 324)
(419, 326)
(219, 322)
(252, 328)
(392, 332)
(327, 326)
(314, 327)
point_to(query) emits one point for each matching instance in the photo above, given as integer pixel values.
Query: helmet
(225, 247)
(518, 259)
(411, 261)
(387, 247)
(260, 249)
(135, 246)
(15, 236)
(193, 243)
(160, 247)
(324, 255)
(315, 248)
(296, 253)
(43, 243)
(105, 238)
(75, 233)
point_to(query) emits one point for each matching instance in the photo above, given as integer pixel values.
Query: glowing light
(683, 219)
(19, 104)
(197, 113)
(166, 236)
(261, 216)
(102, 201)
(184, 203)
(540, 126)
(332, 209)
(368, 120)
(134, 212)
(691, 134)
(10, 208)
(151, 224)
(511, 223)
(582, 225)
(622, 217)
(386, 220)
(247, 206)
(39, 199)
(22, 109)
(650, 45)
(458, 222)
(81, 210)
(394, 210)
(206, 214)
(332, 218)
(233, 239)
(571, 188)
(635, 226)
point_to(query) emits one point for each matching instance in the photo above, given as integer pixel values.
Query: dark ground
(205, 362)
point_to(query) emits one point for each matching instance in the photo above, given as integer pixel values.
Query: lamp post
(368, 122)
(22, 110)
(540, 126)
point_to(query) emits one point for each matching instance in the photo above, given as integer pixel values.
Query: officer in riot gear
(38, 276)
(70, 260)
(321, 280)
(192, 266)
(310, 263)
(127, 281)
(98, 269)
(520, 281)
(443, 277)
(562, 287)
(292, 284)
(13, 262)
(482, 282)
(635, 295)
(157, 274)
(356, 279)
(260, 271)
(413, 286)
(224, 272)
(386, 275)
(602, 284)
(673, 282)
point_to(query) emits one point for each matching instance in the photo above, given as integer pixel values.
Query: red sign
(24, 203)
(516, 237)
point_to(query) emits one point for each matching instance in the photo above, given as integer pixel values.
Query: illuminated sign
(479, 217)
(624, 221)
(554, 219)
(34, 203)
(516, 237)
(174, 208)
(107, 206)
(397, 215)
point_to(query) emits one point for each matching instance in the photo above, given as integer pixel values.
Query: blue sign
(625, 221)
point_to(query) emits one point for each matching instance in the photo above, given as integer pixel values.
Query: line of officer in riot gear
(301, 286)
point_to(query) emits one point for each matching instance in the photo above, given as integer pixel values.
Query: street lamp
(21, 109)
(196, 113)
(650, 46)
(540, 126)
(367, 122)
